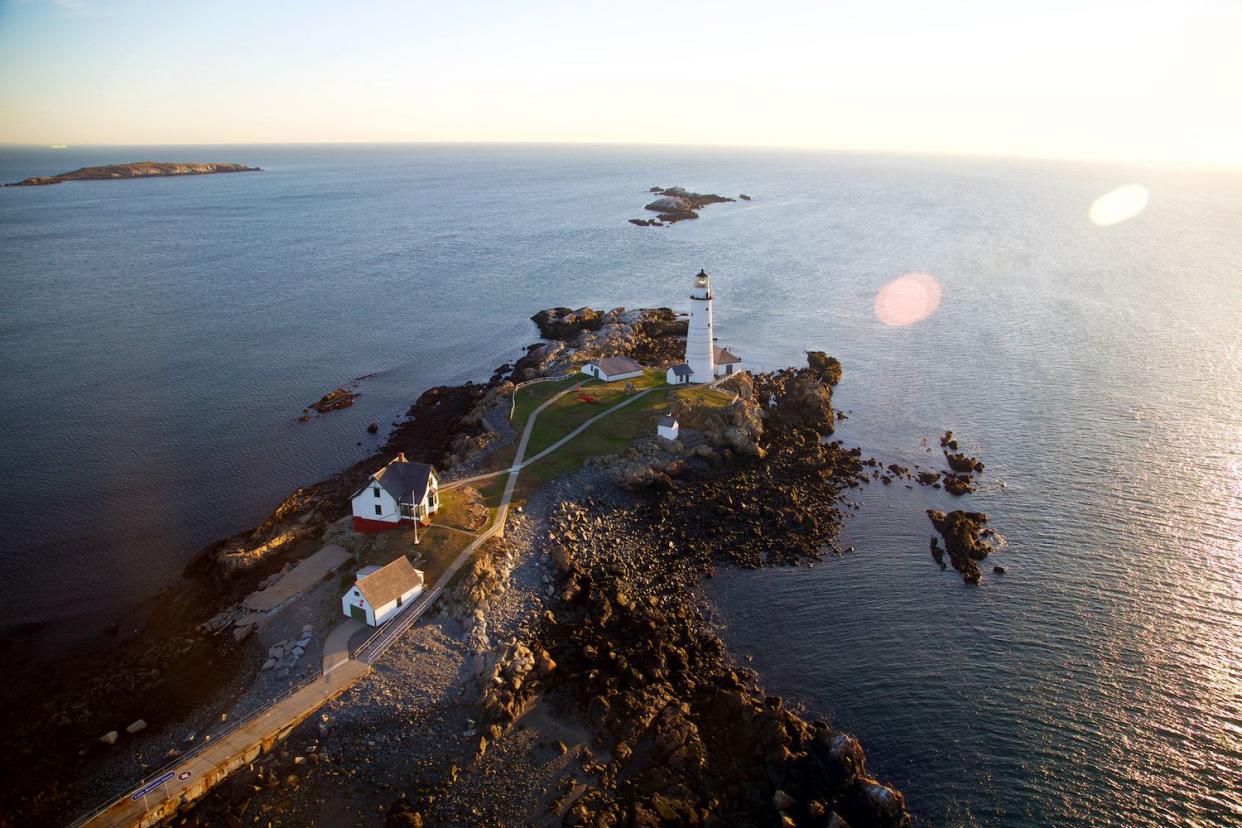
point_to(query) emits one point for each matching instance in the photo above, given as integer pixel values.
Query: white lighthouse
(700, 344)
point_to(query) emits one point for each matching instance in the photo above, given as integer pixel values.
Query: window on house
(376, 490)
(379, 510)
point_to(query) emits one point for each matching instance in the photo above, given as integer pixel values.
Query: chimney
(401, 457)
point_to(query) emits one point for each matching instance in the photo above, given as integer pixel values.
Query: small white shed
(667, 427)
(381, 591)
(678, 375)
(611, 369)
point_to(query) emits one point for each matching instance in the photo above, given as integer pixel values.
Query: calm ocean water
(158, 339)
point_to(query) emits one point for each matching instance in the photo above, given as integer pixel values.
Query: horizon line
(1233, 166)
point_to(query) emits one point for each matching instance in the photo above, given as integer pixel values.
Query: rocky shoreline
(582, 623)
(138, 169)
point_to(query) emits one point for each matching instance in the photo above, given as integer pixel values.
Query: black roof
(682, 370)
(405, 481)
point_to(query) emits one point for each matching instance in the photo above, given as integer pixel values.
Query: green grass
(437, 547)
(607, 435)
(569, 412)
(702, 395)
(453, 509)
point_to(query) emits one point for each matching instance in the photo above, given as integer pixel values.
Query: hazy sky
(1104, 79)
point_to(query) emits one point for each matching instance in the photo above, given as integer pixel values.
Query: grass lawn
(438, 547)
(528, 399)
(569, 412)
(455, 509)
(702, 395)
(607, 435)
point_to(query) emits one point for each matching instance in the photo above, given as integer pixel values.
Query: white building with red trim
(400, 493)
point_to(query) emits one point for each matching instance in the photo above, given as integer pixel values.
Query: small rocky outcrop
(796, 398)
(967, 540)
(334, 400)
(566, 324)
(827, 368)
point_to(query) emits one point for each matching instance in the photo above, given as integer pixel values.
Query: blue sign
(152, 785)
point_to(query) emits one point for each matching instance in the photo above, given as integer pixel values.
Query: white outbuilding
(667, 427)
(678, 375)
(381, 591)
(725, 363)
(611, 369)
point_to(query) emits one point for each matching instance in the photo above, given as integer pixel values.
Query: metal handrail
(190, 754)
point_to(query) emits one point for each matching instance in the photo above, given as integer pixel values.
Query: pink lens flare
(908, 299)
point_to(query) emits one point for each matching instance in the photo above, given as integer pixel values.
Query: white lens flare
(908, 299)
(1118, 205)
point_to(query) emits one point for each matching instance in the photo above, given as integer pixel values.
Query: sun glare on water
(908, 299)
(1118, 205)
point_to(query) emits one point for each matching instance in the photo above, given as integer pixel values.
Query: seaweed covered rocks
(967, 540)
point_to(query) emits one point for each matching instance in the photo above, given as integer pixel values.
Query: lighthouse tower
(700, 354)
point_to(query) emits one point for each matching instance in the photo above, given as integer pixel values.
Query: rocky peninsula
(137, 169)
(570, 676)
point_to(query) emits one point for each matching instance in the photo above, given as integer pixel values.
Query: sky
(1141, 80)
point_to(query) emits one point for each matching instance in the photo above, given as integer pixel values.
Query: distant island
(138, 169)
(678, 204)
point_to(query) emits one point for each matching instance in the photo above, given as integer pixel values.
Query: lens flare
(908, 299)
(1118, 205)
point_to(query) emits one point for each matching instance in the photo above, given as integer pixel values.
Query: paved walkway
(302, 577)
(336, 645)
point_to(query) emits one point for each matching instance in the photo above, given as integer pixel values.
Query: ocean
(159, 339)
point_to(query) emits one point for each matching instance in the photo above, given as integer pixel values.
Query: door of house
(357, 613)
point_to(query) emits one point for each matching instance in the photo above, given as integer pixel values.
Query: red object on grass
(588, 399)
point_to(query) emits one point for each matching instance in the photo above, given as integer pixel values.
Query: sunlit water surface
(158, 339)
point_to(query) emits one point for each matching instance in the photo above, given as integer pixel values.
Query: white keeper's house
(611, 369)
(705, 360)
(381, 591)
(400, 493)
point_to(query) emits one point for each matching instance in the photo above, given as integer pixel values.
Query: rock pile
(692, 740)
(967, 540)
(334, 400)
(650, 336)
(283, 655)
